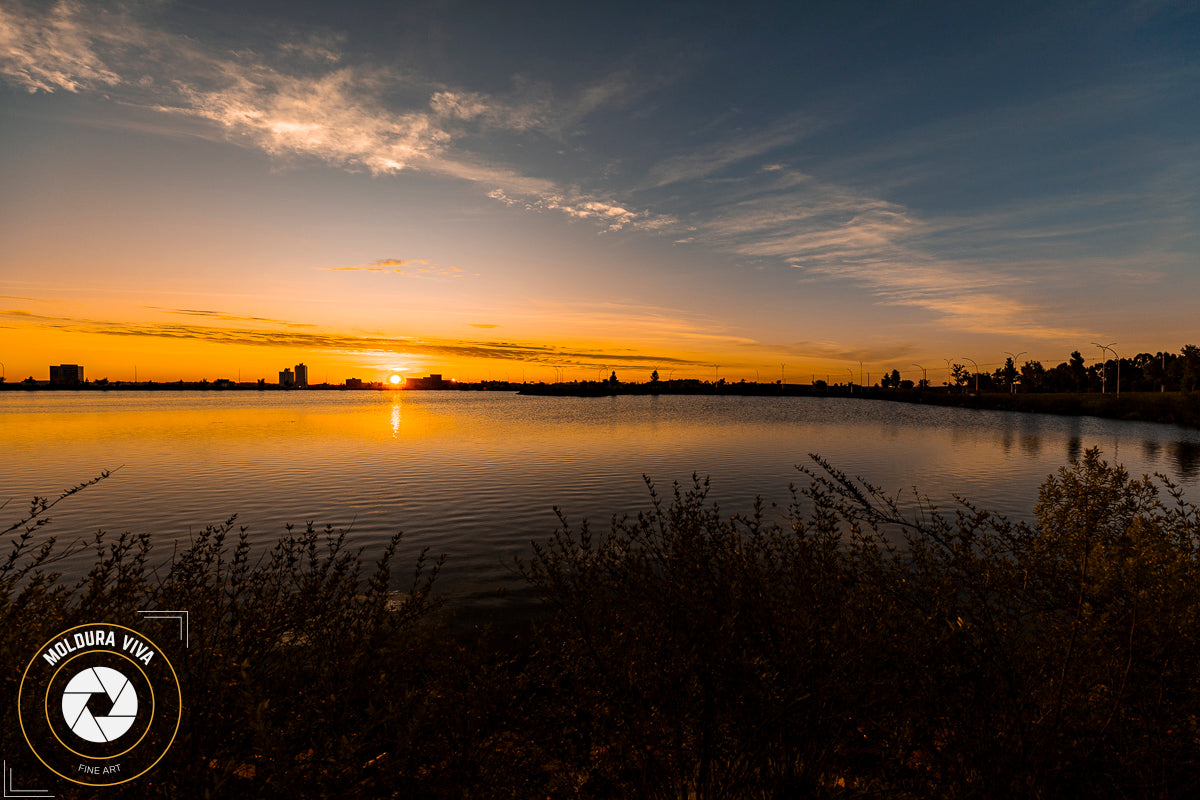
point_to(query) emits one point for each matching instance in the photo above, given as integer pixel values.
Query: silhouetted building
(66, 374)
(354, 383)
(432, 382)
(301, 375)
(287, 379)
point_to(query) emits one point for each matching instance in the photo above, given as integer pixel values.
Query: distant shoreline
(1175, 408)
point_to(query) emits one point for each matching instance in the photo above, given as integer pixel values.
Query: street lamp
(1117, 358)
(964, 358)
(1012, 388)
(947, 374)
(851, 379)
(924, 375)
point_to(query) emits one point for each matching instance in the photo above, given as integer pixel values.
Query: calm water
(476, 475)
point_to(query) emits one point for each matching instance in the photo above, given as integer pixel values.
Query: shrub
(863, 650)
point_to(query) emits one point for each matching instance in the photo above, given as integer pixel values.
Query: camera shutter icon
(113, 685)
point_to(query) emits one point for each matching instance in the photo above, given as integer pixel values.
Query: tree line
(1144, 372)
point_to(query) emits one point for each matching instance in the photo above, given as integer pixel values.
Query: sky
(535, 191)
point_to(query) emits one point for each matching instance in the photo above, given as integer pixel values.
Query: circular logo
(99, 704)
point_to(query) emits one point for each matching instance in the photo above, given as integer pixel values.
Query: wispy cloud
(286, 336)
(829, 232)
(715, 157)
(610, 215)
(410, 267)
(55, 50)
(225, 317)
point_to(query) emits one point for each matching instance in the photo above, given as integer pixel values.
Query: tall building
(301, 375)
(287, 379)
(66, 374)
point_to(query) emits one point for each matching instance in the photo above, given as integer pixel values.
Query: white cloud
(612, 216)
(53, 51)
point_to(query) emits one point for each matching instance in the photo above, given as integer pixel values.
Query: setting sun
(395, 380)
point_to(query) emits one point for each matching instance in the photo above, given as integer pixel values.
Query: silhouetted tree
(1077, 371)
(1009, 373)
(1033, 375)
(1190, 375)
(960, 374)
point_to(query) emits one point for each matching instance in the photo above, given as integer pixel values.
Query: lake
(476, 475)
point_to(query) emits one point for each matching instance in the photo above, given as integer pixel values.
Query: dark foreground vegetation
(855, 650)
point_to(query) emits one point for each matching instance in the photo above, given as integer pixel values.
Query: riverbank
(1176, 408)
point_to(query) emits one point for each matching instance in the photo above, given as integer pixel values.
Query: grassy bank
(855, 651)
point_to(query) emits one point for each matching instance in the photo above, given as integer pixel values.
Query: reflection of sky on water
(476, 475)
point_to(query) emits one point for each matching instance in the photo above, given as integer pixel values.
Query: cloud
(530, 352)
(483, 325)
(829, 232)
(808, 351)
(320, 47)
(718, 156)
(225, 317)
(414, 267)
(55, 50)
(612, 216)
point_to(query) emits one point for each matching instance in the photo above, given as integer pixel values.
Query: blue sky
(487, 187)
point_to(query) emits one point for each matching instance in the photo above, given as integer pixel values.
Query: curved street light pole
(1012, 387)
(965, 358)
(924, 375)
(851, 379)
(1117, 358)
